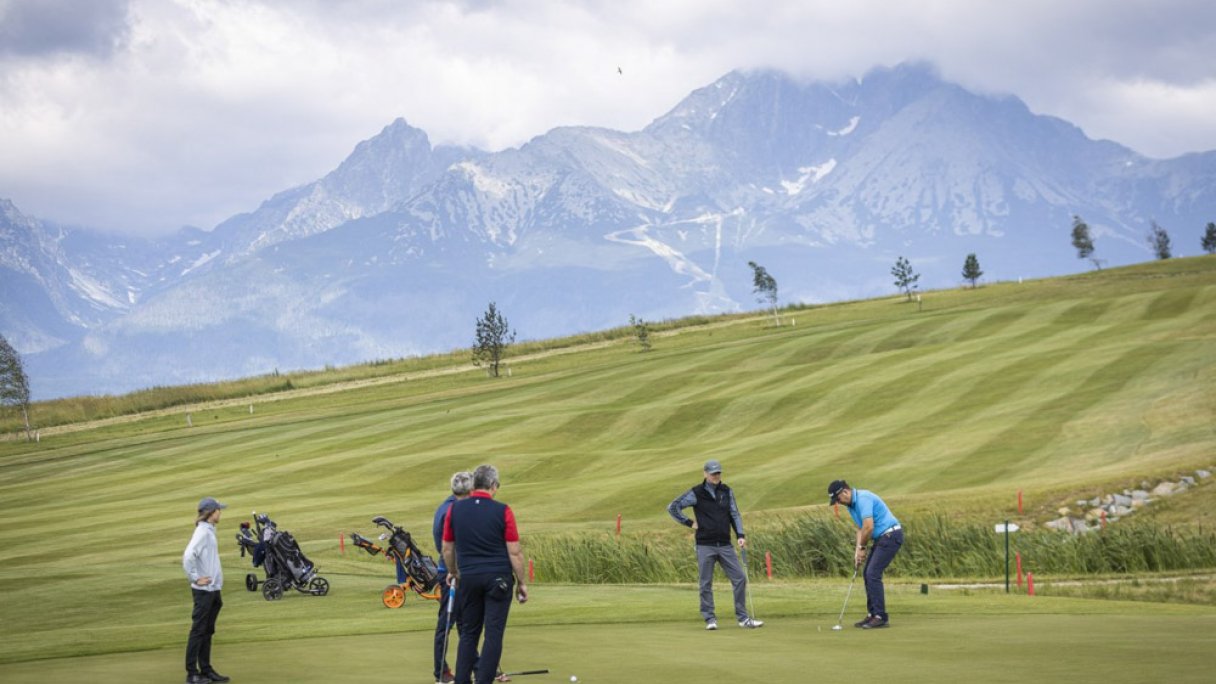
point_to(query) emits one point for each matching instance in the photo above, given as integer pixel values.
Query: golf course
(1055, 391)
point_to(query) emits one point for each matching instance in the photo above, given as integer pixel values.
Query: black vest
(479, 525)
(713, 516)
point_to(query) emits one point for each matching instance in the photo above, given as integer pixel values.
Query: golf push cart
(277, 552)
(415, 571)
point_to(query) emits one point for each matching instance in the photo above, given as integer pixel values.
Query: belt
(890, 530)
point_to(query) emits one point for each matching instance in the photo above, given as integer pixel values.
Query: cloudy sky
(146, 115)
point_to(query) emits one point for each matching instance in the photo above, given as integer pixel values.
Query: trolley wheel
(319, 586)
(272, 590)
(251, 582)
(393, 596)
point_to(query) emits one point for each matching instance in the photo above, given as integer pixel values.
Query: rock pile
(1112, 507)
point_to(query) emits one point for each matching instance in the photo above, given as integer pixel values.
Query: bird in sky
(618, 70)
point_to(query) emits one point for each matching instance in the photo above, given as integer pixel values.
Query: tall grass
(816, 545)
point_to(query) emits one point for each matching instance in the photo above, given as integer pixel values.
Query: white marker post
(1006, 528)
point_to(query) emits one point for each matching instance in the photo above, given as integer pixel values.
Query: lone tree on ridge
(905, 277)
(1082, 241)
(1159, 240)
(971, 269)
(765, 288)
(493, 336)
(1209, 239)
(14, 384)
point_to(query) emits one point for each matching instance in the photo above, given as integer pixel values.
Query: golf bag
(421, 575)
(277, 552)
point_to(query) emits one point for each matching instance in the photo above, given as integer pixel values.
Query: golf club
(751, 607)
(447, 630)
(847, 594)
(527, 672)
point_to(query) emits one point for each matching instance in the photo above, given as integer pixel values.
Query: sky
(141, 116)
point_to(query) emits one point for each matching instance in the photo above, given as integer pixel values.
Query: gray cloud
(51, 27)
(202, 109)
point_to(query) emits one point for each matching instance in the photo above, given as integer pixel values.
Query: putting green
(633, 634)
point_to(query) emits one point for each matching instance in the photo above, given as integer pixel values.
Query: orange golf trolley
(416, 571)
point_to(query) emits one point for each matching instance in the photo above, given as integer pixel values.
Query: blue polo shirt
(866, 504)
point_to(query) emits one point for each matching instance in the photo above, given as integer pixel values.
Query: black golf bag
(277, 552)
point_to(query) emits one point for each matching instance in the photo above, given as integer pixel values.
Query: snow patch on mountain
(847, 129)
(482, 181)
(640, 236)
(200, 261)
(811, 174)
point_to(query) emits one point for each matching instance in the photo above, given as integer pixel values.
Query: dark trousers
(207, 606)
(882, 553)
(485, 601)
(443, 627)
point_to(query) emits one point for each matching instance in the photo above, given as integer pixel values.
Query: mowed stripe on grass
(1046, 386)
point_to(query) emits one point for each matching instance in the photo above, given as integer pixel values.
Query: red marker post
(342, 543)
(1019, 502)
(618, 524)
(531, 571)
(1030, 583)
(768, 563)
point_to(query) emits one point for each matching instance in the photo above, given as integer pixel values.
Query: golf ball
(573, 678)
(836, 628)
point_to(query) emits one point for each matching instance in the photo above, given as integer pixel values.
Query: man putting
(713, 504)
(874, 521)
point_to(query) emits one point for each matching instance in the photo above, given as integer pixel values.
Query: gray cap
(713, 466)
(210, 504)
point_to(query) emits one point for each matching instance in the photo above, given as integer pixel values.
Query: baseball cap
(712, 466)
(835, 488)
(210, 504)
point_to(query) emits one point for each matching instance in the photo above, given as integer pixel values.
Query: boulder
(1122, 510)
(1063, 524)
(1139, 503)
(1123, 501)
(1108, 499)
(1064, 511)
(1096, 501)
(1164, 489)
(1079, 526)
(1189, 480)
(1203, 474)
(1082, 503)
(1139, 495)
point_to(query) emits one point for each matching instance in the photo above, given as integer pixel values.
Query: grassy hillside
(1062, 388)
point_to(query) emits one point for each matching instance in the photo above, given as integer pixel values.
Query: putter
(751, 606)
(527, 672)
(846, 598)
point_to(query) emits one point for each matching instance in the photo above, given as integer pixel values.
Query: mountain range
(399, 249)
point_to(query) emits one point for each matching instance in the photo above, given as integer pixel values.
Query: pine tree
(1081, 240)
(1209, 239)
(493, 336)
(641, 330)
(905, 277)
(14, 384)
(1159, 240)
(971, 269)
(765, 288)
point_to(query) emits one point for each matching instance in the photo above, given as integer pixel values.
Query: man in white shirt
(201, 561)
